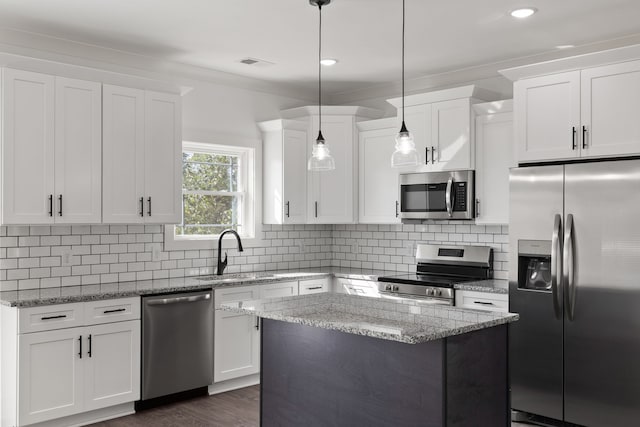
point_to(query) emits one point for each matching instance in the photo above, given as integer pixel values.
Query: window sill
(229, 242)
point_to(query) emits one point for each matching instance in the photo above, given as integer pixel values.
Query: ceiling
(364, 35)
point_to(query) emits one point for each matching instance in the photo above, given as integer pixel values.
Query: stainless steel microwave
(437, 195)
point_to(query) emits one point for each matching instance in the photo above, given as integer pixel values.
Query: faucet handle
(225, 259)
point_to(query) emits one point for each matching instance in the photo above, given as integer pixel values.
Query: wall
(392, 247)
(31, 257)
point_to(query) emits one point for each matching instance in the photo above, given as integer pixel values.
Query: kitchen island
(344, 360)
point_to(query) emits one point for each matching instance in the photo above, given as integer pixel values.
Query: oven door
(437, 195)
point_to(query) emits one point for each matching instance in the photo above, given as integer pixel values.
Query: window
(216, 191)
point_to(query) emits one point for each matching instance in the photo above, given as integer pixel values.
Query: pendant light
(405, 153)
(321, 159)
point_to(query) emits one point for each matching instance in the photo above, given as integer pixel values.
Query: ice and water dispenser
(534, 265)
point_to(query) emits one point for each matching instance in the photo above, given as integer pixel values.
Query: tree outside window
(213, 191)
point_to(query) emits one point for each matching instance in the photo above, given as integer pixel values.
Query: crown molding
(23, 48)
(332, 110)
(476, 74)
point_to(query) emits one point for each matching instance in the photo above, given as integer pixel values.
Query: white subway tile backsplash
(31, 257)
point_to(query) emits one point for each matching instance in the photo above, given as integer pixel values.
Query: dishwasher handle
(177, 300)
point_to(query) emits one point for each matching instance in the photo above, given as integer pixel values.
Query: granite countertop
(409, 322)
(69, 294)
(494, 286)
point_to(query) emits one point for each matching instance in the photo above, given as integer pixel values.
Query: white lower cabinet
(112, 370)
(365, 288)
(49, 374)
(236, 348)
(314, 286)
(236, 351)
(482, 301)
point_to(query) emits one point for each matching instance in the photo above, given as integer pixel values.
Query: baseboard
(234, 384)
(90, 417)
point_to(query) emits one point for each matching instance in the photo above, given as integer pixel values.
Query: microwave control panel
(460, 196)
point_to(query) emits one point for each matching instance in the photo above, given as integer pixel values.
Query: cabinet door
(494, 148)
(279, 290)
(378, 181)
(78, 151)
(122, 155)
(547, 117)
(294, 183)
(27, 147)
(50, 375)
(111, 364)
(331, 198)
(611, 110)
(236, 349)
(418, 121)
(451, 135)
(163, 158)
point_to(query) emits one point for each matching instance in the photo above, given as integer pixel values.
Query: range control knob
(430, 291)
(438, 292)
(396, 288)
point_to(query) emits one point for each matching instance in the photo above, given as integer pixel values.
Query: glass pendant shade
(405, 153)
(321, 159)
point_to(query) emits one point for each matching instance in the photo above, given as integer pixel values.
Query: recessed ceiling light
(523, 12)
(565, 46)
(328, 62)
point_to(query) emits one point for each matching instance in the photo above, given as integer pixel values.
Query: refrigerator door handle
(568, 268)
(556, 264)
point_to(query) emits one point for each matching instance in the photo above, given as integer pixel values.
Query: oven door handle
(447, 197)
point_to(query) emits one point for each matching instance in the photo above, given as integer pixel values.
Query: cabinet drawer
(231, 294)
(112, 310)
(357, 287)
(49, 317)
(482, 301)
(314, 286)
(278, 290)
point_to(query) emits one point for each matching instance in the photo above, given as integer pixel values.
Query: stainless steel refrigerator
(575, 280)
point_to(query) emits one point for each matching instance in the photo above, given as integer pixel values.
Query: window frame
(248, 170)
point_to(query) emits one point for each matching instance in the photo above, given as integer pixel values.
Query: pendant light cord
(320, 69)
(403, 61)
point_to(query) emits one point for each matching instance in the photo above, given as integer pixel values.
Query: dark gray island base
(312, 376)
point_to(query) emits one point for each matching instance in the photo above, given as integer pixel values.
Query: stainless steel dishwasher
(177, 343)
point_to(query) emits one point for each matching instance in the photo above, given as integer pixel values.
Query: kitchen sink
(236, 276)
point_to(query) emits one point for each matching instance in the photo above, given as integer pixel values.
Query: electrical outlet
(301, 247)
(66, 257)
(155, 254)
(355, 248)
(410, 245)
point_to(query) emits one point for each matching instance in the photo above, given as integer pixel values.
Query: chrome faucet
(223, 264)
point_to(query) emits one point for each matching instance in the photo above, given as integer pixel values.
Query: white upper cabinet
(284, 171)
(332, 197)
(78, 151)
(591, 111)
(52, 149)
(163, 158)
(451, 147)
(27, 147)
(378, 181)
(442, 126)
(418, 120)
(494, 156)
(123, 155)
(611, 110)
(547, 117)
(142, 156)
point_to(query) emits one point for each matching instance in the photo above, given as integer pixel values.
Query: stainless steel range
(439, 268)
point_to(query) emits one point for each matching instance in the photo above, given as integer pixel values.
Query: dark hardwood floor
(238, 408)
(235, 408)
